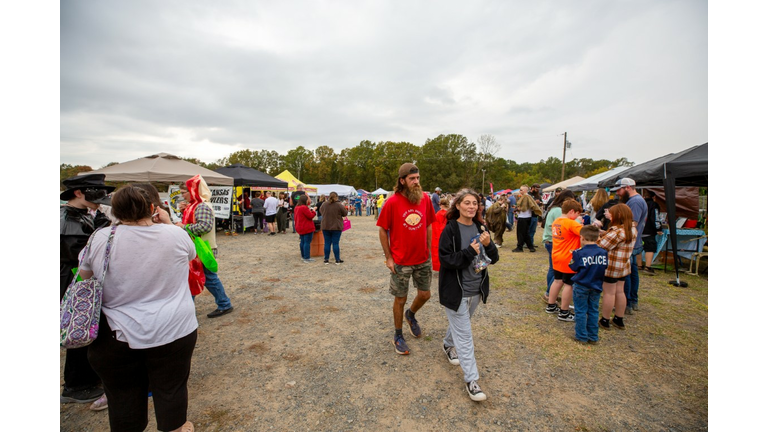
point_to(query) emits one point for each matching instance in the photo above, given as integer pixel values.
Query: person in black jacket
(463, 281)
(83, 193)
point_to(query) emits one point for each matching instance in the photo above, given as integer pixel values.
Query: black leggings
(129, 374)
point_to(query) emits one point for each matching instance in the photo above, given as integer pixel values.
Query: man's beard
(623, 198)
(414, 194)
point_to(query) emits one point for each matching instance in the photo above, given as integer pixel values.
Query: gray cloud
(206, 79)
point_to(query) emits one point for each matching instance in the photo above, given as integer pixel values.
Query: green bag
(204, 252)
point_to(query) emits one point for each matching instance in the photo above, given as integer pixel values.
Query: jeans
(304, 241)
(532, 227)
(331, 239)
(216, 288)
(358, 211)
(633, 281)
(511, 218)
(586, 302)
(551, 271)
(367, 211)
(459, 335)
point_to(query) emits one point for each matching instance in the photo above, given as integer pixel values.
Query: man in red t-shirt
(405, 233)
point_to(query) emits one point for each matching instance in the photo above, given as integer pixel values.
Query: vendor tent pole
(669, 191)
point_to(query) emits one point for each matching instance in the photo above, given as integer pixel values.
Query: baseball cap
(407, 169)
(623, 183)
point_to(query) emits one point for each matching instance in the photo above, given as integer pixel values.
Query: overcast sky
(205, 79)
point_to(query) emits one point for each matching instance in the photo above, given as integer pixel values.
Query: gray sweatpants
(459, 335)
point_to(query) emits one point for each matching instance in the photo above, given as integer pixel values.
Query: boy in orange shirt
(565, 239)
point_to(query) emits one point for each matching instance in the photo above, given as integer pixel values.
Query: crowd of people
(148, 328)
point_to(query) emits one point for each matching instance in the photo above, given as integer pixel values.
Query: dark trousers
(523, 236)
(129, 374)
(78, 373)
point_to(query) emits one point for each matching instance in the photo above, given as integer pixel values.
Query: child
(589, 262)
(565, 239)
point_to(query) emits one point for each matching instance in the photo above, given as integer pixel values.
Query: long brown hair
(453, 212)
(621, 216)
(599, 200)
(333, 197)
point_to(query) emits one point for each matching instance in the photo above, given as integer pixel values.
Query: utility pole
(565, 141)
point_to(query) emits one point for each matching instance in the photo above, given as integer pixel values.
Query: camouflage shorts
(422, 278)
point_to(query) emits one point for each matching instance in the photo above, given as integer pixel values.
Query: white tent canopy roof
(380, 191)
(591, 183)
(563, 184)
(341, 190)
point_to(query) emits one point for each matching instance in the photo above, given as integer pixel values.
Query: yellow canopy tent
(294, 183)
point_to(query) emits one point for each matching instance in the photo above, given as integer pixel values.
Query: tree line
(448, 161)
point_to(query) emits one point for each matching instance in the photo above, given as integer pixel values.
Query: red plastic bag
(196, 276)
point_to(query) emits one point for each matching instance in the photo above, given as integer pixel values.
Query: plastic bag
(204, 252)
(196, 276)
(481, 260)
(347, 224)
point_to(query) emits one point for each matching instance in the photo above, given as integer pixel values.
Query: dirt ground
(308, 347)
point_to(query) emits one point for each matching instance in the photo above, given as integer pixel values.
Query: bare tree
(487, 146)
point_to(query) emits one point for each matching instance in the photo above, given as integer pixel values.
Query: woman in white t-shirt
(148, 327)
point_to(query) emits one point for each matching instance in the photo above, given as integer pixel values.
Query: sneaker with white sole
(552, 309)
(453, 358)
(413, 325)
(567, 317)
(475, 393)
(400, 346)
(100, 403)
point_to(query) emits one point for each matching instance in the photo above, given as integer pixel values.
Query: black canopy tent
(253, 178)
(247, 176)
(687, 168)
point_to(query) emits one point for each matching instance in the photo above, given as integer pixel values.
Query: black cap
(87, 181)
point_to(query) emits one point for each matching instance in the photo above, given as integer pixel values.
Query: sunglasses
(94, 194)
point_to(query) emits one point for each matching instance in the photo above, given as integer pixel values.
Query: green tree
(66, 171)
(297, 161)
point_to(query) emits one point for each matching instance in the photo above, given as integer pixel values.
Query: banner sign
(221, 201)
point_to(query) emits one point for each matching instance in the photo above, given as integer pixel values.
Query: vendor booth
(247, 179)
(687, 168)
(294, 184)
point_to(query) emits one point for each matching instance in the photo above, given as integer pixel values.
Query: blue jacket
(589, 262)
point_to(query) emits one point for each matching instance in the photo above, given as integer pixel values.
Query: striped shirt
(619, 251)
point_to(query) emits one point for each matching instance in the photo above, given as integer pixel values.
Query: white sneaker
(99, 404)
(475, 393)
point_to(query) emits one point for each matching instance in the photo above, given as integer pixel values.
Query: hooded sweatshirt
(198, 217)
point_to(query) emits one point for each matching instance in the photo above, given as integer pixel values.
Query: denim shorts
(422, 278)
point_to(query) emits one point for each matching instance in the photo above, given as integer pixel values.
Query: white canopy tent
(563, 184)
(341, 190)
(590, 183)
(380, 191)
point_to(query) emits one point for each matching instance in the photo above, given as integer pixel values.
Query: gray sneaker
(453, 358)
(475, 393)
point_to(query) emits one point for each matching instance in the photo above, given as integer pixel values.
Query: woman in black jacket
(463, 281)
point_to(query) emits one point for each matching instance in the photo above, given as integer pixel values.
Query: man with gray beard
(405, 233)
